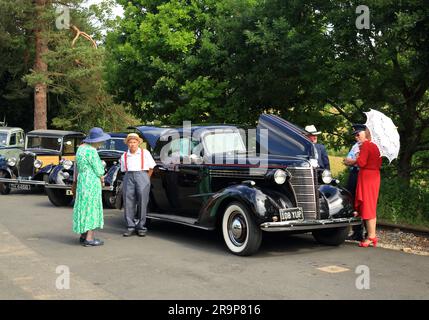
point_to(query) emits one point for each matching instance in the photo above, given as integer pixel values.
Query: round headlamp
(38, 163)
(11, 162)
(326, 176)
(280, 176)
(67, 164)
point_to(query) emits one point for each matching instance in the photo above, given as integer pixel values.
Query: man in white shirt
(138, 164)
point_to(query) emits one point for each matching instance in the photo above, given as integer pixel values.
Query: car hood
(283, 138)
(110, 154)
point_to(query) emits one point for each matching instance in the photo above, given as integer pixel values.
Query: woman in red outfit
(368, 185)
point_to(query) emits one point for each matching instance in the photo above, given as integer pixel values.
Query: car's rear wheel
(4, 187)
(240, 233)
(331, 237)
(58, 197)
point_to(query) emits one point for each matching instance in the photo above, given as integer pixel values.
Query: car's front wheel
(109, 199)
(58, 197)
(240, 233)
(331, 237)
(4, 187)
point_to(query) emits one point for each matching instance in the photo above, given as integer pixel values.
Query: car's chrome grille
(302, 182)
(26, 165)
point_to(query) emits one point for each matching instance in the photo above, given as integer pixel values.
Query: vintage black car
(61, 176)
(44, 150)
(206, 178)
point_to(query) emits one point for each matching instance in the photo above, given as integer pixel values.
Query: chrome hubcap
(237, 229)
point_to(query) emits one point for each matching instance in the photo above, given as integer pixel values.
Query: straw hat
(311, 129)
(133, 136)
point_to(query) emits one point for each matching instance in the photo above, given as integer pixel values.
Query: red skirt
(367, 189)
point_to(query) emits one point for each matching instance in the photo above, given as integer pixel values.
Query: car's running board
(176, 219)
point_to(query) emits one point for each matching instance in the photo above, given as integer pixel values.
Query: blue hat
(96, 135)
(357, 127)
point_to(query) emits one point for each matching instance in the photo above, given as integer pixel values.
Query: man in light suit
(322, 155)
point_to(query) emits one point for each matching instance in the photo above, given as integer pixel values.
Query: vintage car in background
(61, 177)
(11, 142)
(206, 178)
(44, 149)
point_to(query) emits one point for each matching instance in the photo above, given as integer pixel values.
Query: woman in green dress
(89, 177)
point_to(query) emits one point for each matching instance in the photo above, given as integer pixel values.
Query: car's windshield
(114, 144)
(3, 139)
(223, 142)
(51, 143)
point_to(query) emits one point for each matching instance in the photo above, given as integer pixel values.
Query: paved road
(176, 262)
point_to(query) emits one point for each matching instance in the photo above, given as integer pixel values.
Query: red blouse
(369, 156)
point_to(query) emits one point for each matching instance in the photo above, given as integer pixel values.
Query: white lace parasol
(383, 133)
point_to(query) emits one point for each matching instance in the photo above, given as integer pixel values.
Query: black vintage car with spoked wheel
(214, 177)
(60, 178)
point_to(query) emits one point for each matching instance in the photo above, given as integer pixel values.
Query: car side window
(12, 140)
(180, 147)
(20, 139)
(69, 146)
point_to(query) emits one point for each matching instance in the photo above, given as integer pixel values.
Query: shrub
(400, 204)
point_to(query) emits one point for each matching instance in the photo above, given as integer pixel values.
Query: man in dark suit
(322, 155)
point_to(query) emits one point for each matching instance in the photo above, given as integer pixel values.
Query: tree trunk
(40, 89)
(404, 167)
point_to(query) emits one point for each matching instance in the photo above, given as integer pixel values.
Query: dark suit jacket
(322, 156)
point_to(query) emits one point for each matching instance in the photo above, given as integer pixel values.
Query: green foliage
(401, 204)
(77, 98)
(229, 61)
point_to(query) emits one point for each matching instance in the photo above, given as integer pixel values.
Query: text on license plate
(291, 214)
(18, 186)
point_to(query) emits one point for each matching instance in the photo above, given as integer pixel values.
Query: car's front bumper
(309, 224)
(22, 181)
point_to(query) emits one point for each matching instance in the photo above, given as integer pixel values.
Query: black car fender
(112, 175)
(45, 170)
(7, 171)
(53, 172)
(263, 203)
(335, 202)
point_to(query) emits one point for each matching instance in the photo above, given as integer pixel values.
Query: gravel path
(396, 239)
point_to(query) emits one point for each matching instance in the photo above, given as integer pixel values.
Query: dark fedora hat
(96, 135)
(357, 127)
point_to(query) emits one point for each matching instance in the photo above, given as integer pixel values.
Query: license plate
(291, 214)
(18, 186)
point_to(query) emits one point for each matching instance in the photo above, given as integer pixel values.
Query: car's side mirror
(195, 159)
